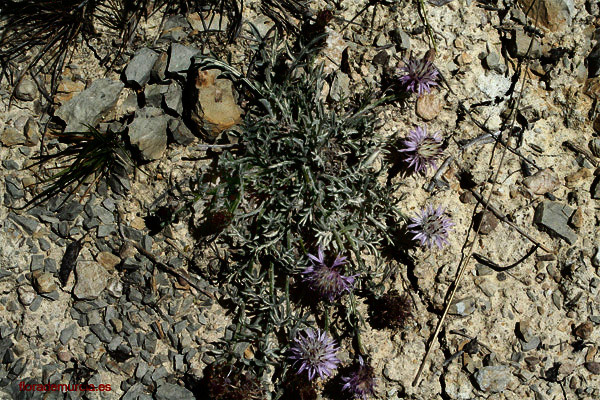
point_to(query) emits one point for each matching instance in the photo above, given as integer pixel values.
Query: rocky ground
(122, 319)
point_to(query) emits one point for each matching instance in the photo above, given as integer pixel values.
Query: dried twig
(580, 150)
(171, 270)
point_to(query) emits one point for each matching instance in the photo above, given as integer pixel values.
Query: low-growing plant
(304, 179)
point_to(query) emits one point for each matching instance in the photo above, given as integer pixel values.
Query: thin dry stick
(172, 271)
(504, 219)
(465, 260)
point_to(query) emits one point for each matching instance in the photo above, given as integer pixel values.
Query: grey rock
(180, 132)
(174, 98)
(180, 58)
(148, 132)
(11, 136)
(10, 164)
(29, 225)
(26, 90)
(102, 332)
(401, 39)
(44, 244)
(35, 305)
(88, 107)
(37, 262)
(462, 307)
(168, 391)
(493, 63)
(532, 344)
(519, 45)
(553, 217)
(176, 28)
(70, 211)
(139, 68)
(13, 187)
(340, 86)
(141, 369)
(92, 278)
(492, 379)
(153, 95)
(159, 373)
(67, 334)
(134, 392)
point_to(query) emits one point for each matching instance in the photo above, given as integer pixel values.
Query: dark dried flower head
(361, 382)
(315, 351)
(391, 310)
(326, 280)
(422, 149)
(418, 75)
(229, 382)
(431, 227)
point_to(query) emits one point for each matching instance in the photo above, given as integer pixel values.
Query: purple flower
(422, 149)
(326, 280)
(315, 352)
(419, 75)
(361, 382)
(431, 227)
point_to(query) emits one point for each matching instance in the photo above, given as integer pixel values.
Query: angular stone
(180, 132)
(88, 107)
(553, 14)
(492, 379)
(542, 182)
(180, 58)
(554, 217)
(11, 136)
(174, 98)
(92, 278)
(168, 391)
(153, 94)
(428, 106)
(108, 260)
(462, 307)
(44, 282)
(159, 68)
(26, 90)
(519, 45)
(493, 63)
(215, 108)
(139, 68)
(148, 132)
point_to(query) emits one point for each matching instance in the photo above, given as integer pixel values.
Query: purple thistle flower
(419, 75)
(315, 352)
(327, 281)
(422, 149)
(431, 227)
(361, 382)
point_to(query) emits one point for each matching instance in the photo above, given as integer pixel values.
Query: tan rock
(215, 108)
(542, 182)
(553, 14)
(429, 106)
(108, 260)
(574, 179)
(44, 282)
